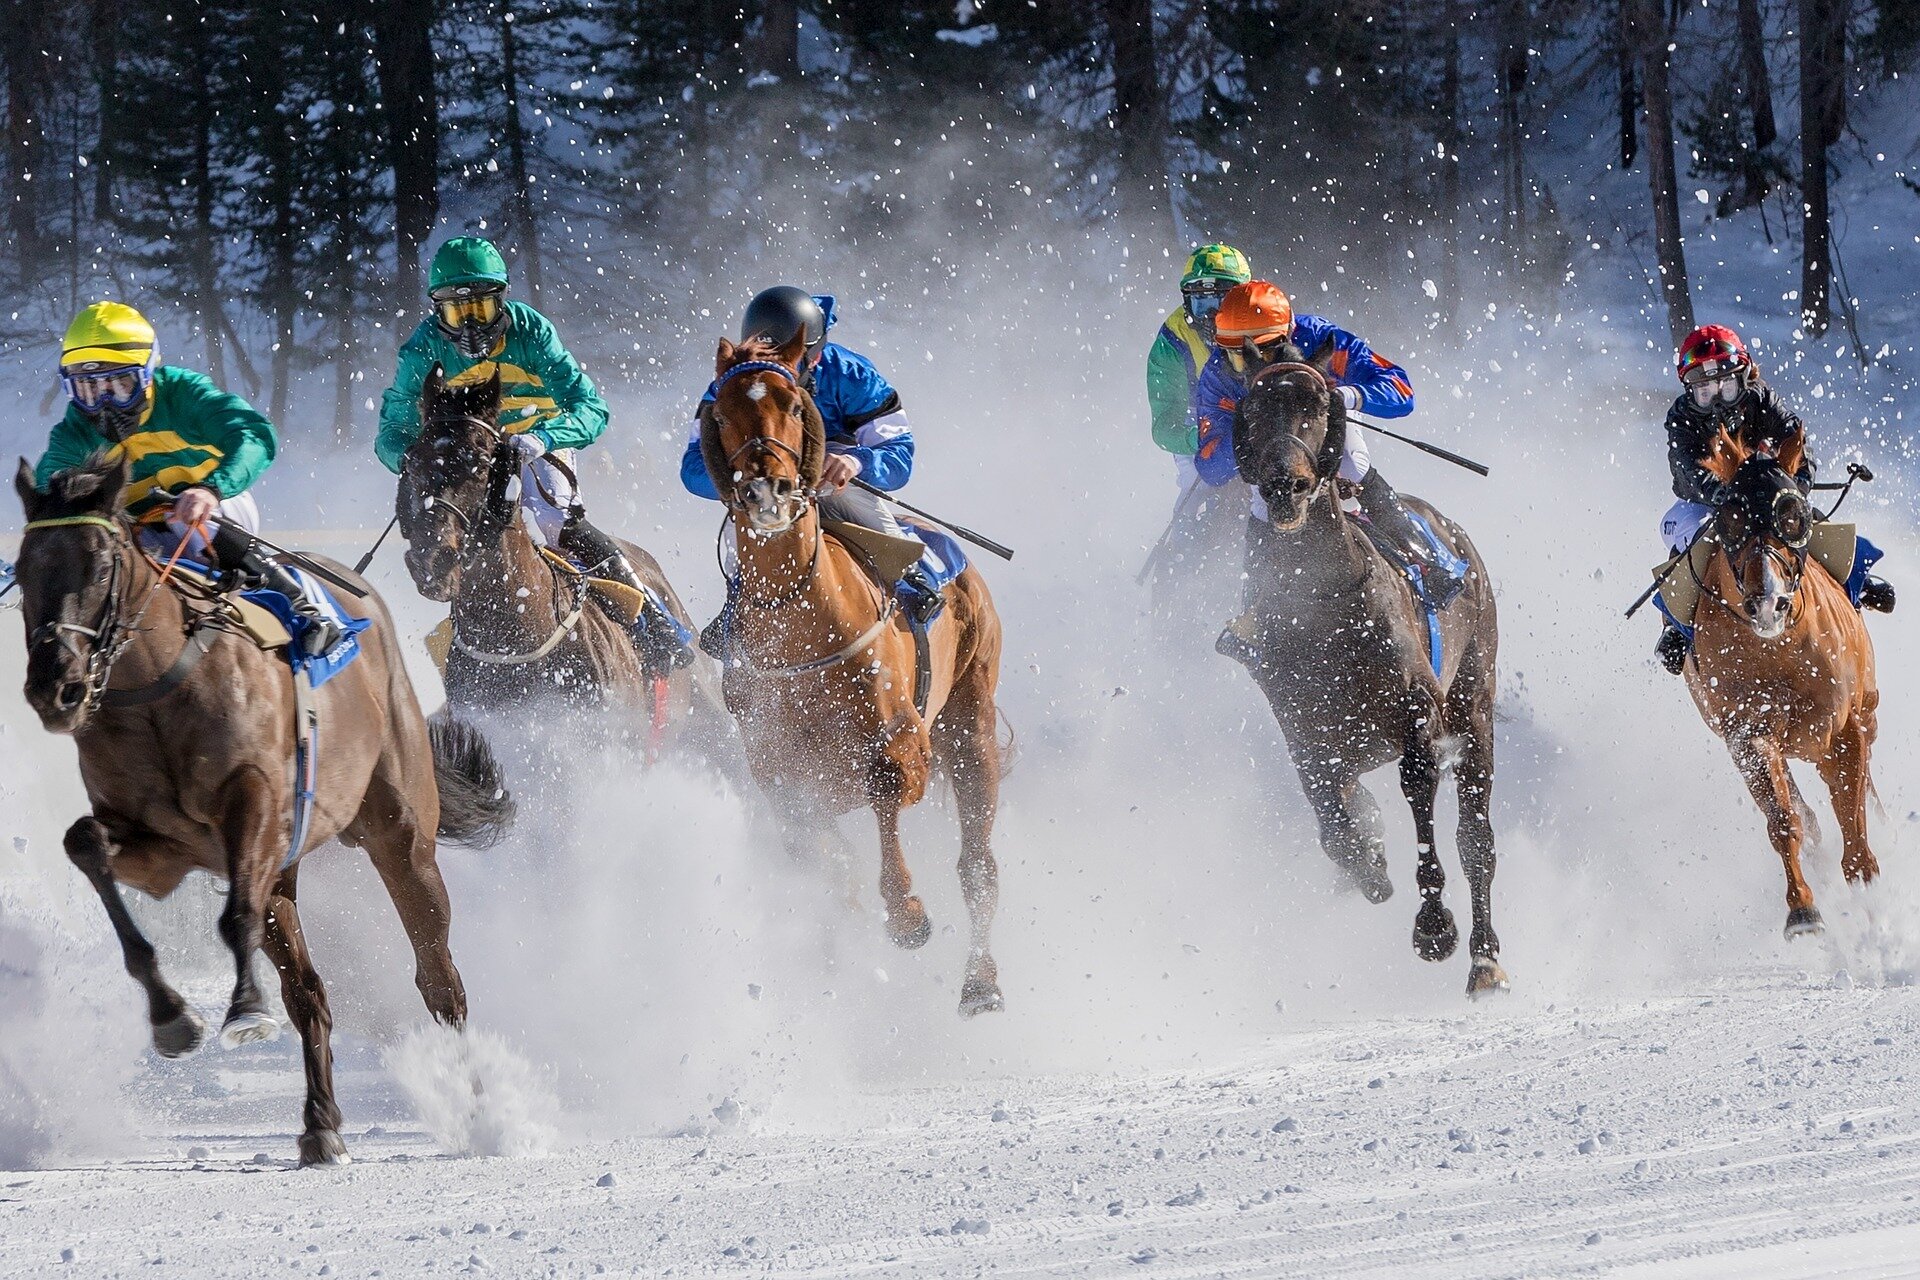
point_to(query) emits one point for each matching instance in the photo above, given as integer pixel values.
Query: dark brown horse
(1344, 662)
(1782, 665)
(825, 696)
(186, 738)
(523, 628)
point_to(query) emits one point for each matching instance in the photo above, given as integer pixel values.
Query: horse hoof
(1435, 944)
(1370, 879)
(1804, 922)
(978, 997)
(911, 929)
(180, 1036)
(322, 1146)
(247, 1028)
(1485, 978)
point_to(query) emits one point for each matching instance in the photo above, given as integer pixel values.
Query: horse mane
(813, 441)
(90, 487)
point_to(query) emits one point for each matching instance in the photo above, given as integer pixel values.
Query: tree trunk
(780, 38)
(1140, 118)
(1646, 33)
(1756, 84)
(104, 38)
(203, 249)
(29, 157)
(1453, 14)
(1823, 103)
(1629, 94)
(527, 231)
(1511, 73)
(403, 52)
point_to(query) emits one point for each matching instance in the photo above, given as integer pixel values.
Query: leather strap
(199, 640)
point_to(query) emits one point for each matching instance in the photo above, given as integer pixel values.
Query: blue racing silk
(1383, 388)
(862, 415)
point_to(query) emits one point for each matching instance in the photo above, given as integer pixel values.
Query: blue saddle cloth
(1865, 556)
(944, 559)
(1417, 582)
(322, 667)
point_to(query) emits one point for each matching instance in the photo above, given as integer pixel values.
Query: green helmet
(466, 260)
(1214, 262)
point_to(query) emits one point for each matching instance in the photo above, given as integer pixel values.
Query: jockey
(1181, 349)
(548, 408)
(1257, 327)
(1722, 387)
(192, 450)
(867, 431)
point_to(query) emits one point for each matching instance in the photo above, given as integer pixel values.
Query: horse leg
(177, 1029)
(907, 922)
(249, 821)
(306, 1000)
(1473, 780)
(1350, 827)
(1434, 933)
(965, 736)
(388, 827)
(1763, 767)
(1845, 771)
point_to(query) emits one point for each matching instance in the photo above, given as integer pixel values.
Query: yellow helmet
(107, 335)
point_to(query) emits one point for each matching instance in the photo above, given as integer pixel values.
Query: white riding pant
(541, 480)
(1683, 520)
(857, 506)
(1355, 462)
(239, 510)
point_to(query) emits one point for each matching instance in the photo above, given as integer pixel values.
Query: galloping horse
(1345, 663)
(825, 695)
(1782, 665)
(523, 627)
(186, 735)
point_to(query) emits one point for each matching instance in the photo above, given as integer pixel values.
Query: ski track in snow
(1506, 1142)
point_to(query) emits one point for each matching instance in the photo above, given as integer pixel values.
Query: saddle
(1416, 579)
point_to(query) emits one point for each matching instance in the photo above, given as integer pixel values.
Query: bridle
(761, 446)
(1792, 561)
(1324, 484)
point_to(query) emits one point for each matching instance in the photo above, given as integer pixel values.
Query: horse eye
(795, 410)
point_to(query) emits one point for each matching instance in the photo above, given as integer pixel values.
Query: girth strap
(199, 640)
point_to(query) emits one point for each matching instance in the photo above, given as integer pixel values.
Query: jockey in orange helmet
(1723, 388)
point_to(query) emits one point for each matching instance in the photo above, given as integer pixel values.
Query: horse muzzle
(1288, 503)
(57, 691)
(771, 504)
(1768, 614)
(435, 570)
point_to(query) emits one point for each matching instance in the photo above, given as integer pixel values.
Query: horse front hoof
(1485, 978)
(980, 995)
(248, 1028)
(322, 1146)
(911, 928)
(1434, 934)
(1372, 880)
(180, 1036)
(1804, 922)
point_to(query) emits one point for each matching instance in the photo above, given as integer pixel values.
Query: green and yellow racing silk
(1173, 366)
(190, 433)
(542, 387)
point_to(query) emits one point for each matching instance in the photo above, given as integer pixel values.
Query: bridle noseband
(762, 445)
(1792, 561)
(109, 635)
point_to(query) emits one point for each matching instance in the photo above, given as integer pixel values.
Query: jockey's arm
(242, 433)
(400, 403)
(1216, 397)
(1378, 385)
(1692, 482)
(882, 445)
(1170, 397)
(582, 413)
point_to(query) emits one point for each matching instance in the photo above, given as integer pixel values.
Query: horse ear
(1793, 452)
(1322, 358)
(794, 350)
(30, 496)
(435, 387)
(1334, 447)
(1724, 455)
(723, 357)
(493, 387)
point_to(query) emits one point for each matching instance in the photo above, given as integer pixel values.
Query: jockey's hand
(528, 445)
(191, 506)
(837, 469)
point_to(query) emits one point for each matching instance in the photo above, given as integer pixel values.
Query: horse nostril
(70, 695)
(1301, 484)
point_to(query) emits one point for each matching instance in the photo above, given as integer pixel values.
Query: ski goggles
(1249, 354)
(1203, 301)
(463, 306)
(1716, 382)
(118, 387)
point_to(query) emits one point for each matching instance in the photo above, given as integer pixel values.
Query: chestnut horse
(1782, 666)
(1344, 662)
(523, 628)
(186, 738)
(824, 696)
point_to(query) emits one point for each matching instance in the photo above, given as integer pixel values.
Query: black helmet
(777, 314)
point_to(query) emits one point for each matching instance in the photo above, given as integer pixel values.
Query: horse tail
(475, 809)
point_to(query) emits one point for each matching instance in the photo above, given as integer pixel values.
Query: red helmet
(1712, 348)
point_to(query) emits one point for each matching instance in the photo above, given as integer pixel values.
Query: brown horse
(186, 737)
(825, 695)
(1344, 662)
(523, 628)
(1782, 666)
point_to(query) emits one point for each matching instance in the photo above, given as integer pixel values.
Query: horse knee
(89, 848)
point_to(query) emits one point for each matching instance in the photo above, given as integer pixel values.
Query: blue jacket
(861, 411)
(1385, 390)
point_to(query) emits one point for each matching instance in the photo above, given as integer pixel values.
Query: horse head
(1764, 527)
(72, 585)
(1288, 435)
(453, 475)
(761, 435)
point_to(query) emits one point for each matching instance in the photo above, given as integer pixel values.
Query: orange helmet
(1256, 312)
